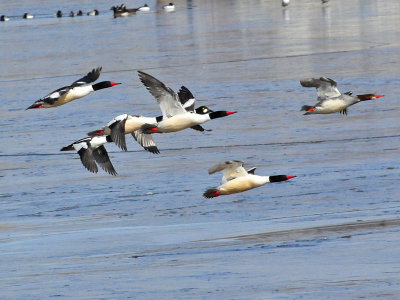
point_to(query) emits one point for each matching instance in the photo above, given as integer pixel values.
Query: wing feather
(165, 96)
(88, 78)
(326, 87)
(101, 157)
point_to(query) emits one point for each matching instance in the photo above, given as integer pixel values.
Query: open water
(330, 233)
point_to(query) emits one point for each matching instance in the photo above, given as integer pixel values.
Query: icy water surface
(332, 232)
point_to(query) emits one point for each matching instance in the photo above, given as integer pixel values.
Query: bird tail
(306, 107)
(37, 104)
(211, 193)
(67, 148)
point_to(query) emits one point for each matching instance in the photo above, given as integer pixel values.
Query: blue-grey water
(330, 233)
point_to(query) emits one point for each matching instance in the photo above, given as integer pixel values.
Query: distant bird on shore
(28, 16)
(91, 150)
(329, 97)
(236, 179)
(76, 90)
(285, 3)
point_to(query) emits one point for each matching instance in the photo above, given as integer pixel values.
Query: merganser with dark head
(59, 14)
(174, 116)
(28, 16)
(91, 150)
(76, 90)
(169, 7)
(4, 18)
(236, 179)
(144, 8)
(94, 12)
(329, 97)
(125, 124)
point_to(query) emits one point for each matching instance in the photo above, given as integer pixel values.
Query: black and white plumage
(236, 179)
(174, 115)
(76, 90)
(330, 99)
(91, 151)
(125, 124)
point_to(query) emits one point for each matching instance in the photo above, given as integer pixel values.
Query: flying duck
(91, 150)
(76, 90)
(329, 97)
(174, 116)
(236, 179)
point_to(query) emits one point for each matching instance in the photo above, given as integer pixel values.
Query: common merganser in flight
(28, 16)
(144, 8)
(76, 90)
(125, 124)
(329, 97)
(91, 150)
(285, 3)
(236, 179)
(169, 7)
(174, 116)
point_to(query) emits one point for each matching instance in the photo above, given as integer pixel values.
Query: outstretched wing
(118, 132)
(165, 96)
(90, 77)
(187, 99)
(231, 170)
(146, 141)
(326, 87)
(87, 159)
(101, 157)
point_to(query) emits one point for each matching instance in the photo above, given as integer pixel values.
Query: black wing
(186, 98)
(118, 133)
(90, 77)
(101, 157)
(198, 128)
(87, 160)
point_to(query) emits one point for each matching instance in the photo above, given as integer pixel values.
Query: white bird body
(329, 97)
(236, 179)
(243, 183)
(177, 110)
(181, 121)
(78, 89)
